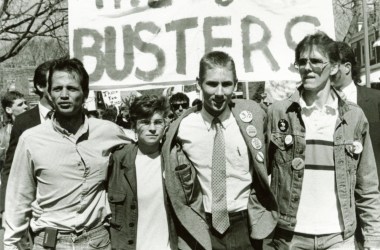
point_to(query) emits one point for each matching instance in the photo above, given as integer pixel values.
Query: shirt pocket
(237, 154)
(116, 201)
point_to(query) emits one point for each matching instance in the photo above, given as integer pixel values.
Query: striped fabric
(318, 211)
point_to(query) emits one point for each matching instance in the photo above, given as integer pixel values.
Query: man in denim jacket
(323, 165)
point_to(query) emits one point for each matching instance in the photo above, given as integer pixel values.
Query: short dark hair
(110, 114)
(216, 59)
(9, 97)
(145, 106)
(74, 67)
(319, 39)
(346, 54)
(196, 102)
(179, 97)
(40, 78)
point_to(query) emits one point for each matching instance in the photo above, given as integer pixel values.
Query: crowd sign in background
(132, 44)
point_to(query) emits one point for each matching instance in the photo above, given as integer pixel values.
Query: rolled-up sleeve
(20, 194)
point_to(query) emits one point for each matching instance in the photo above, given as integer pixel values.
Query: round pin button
(356, 147)
(256, 143)
(251, 131)
(298, 163)
(245, 116)
(260, 157)
(288, 140)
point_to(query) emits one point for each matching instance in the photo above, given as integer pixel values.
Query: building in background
(355, 37)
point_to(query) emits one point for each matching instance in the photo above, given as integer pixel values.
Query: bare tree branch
(24, 20)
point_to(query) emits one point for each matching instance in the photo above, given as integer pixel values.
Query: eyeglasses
(315, 63)
(176, 106)
(145, 123)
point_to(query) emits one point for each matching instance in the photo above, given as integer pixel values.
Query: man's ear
(198, 84)
(8, 110)
(236, 83)
(334, 69)
(347, 68)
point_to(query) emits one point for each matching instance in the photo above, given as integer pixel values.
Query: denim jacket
(355, 174)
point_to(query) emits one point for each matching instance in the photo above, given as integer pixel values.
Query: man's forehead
(313, 51)
(18, 100)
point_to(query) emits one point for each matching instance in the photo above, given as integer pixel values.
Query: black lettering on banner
(288, 31)
(149, 48)
(159, 3)
(94, 50)
(110, 53)
(224, 2)
(180, 26)
(260, 45)
(210, 41)
(136, 3)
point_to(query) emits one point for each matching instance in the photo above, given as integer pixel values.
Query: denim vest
(355, 174)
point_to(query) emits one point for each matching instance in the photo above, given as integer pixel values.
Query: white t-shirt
(152, 225)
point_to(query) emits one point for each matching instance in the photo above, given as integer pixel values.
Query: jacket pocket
(116, 200)
(282, 152)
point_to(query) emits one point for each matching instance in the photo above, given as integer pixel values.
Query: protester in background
(215, 172)
(13, 104)
(60, 166)
(110, 114)
(196, 102)
(26, 120)
(179, 102)
(368, 99)
(140, 210)
(323, 165)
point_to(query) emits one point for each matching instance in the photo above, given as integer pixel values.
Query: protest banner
(131, 44)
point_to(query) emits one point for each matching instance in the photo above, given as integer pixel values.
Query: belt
(75, 233)
(241, 214)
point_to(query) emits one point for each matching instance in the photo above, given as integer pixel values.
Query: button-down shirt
(197, 136)
(351, 92)
(43, 112)
(61, 173)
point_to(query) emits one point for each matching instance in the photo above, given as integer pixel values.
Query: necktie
(49, 114)
(342, 95)
(220, 220)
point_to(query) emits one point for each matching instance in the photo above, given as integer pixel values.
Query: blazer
(184, 191)
(24, 121)
(369, 101)
(122, 197)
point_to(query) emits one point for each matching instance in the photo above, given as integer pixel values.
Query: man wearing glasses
(179, 103)
(321, 158)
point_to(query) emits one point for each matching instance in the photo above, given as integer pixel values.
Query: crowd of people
(222, 174)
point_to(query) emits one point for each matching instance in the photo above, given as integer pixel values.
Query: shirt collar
(43, 110)
(82, 129)
(349, 90)
(224, 118)
(331, 104)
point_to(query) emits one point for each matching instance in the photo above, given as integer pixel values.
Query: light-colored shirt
(61, 173)
(197, 133)
(318, 211)
(351, 92)
(152, 233)
(43, 112)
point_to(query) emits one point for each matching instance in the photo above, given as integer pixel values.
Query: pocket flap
(278, 140)
(116, 197)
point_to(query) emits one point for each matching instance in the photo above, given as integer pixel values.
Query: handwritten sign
(135, 43)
